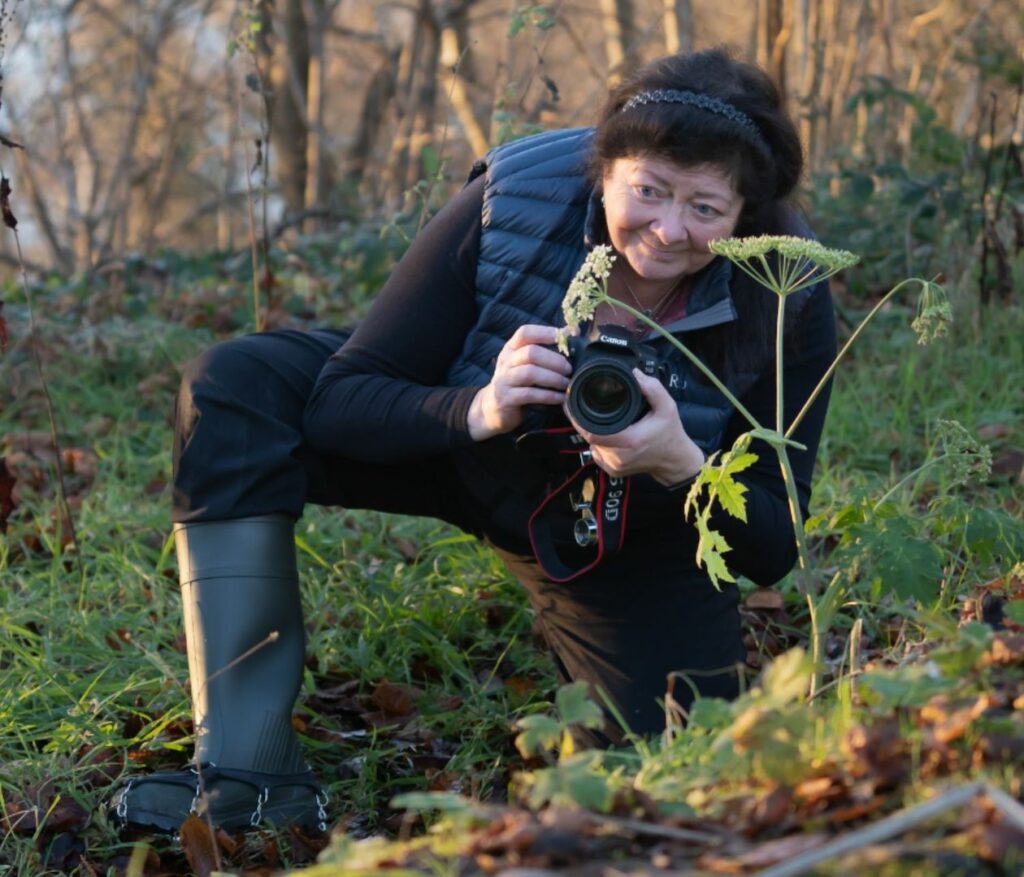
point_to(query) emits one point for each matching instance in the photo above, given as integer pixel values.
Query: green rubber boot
(246, 646)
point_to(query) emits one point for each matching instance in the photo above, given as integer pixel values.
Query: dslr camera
(603, 396)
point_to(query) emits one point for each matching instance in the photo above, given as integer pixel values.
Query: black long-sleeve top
(381, 397)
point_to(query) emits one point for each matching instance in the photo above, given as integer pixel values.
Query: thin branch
(892, 826)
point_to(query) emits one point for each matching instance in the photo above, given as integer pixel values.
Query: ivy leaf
(538, 734)
(575, 706)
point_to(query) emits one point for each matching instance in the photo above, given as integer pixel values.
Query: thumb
(654, 391)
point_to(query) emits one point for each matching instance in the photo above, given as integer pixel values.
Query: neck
(648, 295)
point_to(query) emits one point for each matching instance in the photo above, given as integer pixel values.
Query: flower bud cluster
(969, 458)
(934, 314)
(586, 291)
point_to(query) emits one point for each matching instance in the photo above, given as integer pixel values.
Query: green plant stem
(924, 467)
(804, 580)
(835, 362)
(780, 316)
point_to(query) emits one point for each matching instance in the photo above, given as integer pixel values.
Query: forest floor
(423, 663)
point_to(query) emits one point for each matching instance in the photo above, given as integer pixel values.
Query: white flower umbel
(586, 291)
(799, 263)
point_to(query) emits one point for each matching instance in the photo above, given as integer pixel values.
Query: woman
(447, 401)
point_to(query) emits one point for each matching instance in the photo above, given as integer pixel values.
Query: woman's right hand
(529, 371)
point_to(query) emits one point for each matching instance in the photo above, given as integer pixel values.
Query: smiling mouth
(660, 251)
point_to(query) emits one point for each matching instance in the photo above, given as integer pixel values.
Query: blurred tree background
(146, 124)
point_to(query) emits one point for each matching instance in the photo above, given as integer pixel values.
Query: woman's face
(661, 215)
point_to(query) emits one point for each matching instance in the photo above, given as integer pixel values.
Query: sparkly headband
(693, 99)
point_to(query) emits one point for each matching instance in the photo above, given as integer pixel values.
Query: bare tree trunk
(408, 66)
(619, 30)
(678, 26)
(419, 66)
(772, 36)
(424, 113)
(376, 100)
(289, 84)
(317, 194)
(452, 55)
(229, 114)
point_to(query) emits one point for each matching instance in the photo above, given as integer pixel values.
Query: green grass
(93, 674)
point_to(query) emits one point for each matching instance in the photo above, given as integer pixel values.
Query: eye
(706, 210)
(646, 192)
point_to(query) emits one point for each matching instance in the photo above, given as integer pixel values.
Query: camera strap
(583, 520)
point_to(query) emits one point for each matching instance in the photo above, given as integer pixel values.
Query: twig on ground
(897, 824)
(652, 829)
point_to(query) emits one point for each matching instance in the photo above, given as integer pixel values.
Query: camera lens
(604, 394)
(604, 397)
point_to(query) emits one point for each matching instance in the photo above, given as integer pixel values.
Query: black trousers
(643, 616)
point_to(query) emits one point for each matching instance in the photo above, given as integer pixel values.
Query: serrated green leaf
(731, 496)
(575, 706)
(910, 567)
(710, 547)
(538, 734)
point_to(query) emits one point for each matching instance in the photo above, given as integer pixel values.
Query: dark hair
(765, 162)
(765, 165)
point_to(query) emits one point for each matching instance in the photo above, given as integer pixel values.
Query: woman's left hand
(657, 444)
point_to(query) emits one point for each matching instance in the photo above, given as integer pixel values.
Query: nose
(670, 227)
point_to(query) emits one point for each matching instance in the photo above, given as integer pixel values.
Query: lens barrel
(604, 397)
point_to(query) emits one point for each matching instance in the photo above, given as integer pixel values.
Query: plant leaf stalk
(794, 274)
(842, 353)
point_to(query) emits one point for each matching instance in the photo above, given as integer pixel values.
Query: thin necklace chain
(655, 312)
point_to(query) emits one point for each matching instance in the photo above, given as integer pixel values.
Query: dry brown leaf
(765, 855)
(1005, 651)
(995, 842)
(395, 699)
(1009, 462)
(199, 846)
(990, 431)
(764, 598)
(521, 686)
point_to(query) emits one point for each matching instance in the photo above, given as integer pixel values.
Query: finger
(611, 463)
(616, 440)
(535, 376)
(517, 397)
(654, 391)
(534, 354)
(531, 333)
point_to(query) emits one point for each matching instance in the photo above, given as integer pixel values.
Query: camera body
(603, 396)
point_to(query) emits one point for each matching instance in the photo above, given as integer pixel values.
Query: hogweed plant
(783, 265)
